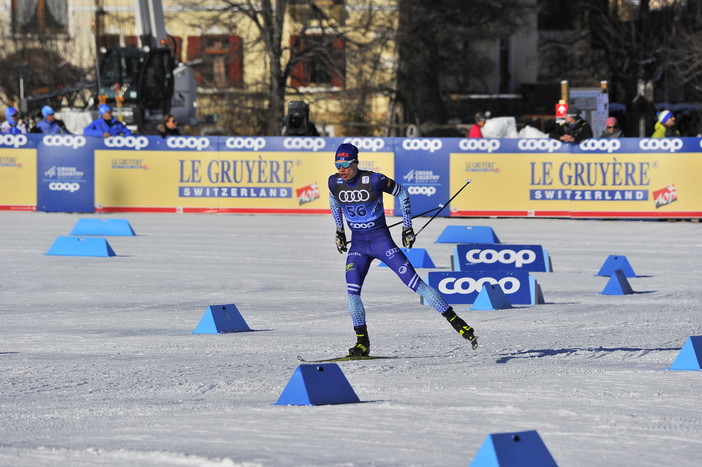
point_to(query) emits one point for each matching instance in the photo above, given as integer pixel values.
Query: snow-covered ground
(98, 365)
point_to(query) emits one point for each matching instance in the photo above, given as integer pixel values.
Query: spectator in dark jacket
(574, 130)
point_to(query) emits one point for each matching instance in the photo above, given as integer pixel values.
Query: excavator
(142, 84)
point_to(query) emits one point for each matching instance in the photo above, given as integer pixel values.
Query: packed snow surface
(99, 365)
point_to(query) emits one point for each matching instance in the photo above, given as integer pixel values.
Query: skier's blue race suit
(360, 201)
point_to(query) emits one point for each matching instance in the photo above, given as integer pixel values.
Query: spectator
(13, 124)
(612, 129)
(106, 125)
(476, 130)
(574, 130)
(50, 124)
(170, 126)
(665, 126)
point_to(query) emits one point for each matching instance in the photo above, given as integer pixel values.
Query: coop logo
(359, 196)
(609, 145)
(421, 190)
(129, 142)
(665, 196)
(254, 144)
(539, 144)
(16, 141)
(188, 142)
(661, 144)
(64, 186)
(490, 256)
(479, 145)
(70, 141)
(313, 144)
(368, 144)
(362, 225)
(468, 285)
(414, 144)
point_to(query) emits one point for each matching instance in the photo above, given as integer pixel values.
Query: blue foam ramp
(80, 246)
(318, 384)
(491, 297)
(418, 258)
(690, 356)
(467, 234)
(219, 319)
(617, 284)
(614, 262)
(536, 294)
(105, 227)
(521, 449)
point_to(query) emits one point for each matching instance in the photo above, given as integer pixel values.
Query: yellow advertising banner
(18, 179)
(577, 185)
(275, 182)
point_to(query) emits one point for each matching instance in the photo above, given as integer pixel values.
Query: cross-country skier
(357, 195)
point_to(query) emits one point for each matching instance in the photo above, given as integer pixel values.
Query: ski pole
(442, 207)
(416, 215)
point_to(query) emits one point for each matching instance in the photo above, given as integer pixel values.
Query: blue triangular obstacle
(522, 449)
(220, 319)
(491, 297)
(106, 227)
(614, 262)
(617, 284)
(690, 356)
(467, 234)
(79, 246)
(318, 384)
(418, 258)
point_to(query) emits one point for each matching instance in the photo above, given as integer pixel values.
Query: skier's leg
(356, 271)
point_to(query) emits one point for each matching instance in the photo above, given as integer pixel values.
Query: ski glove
(408, 237)
(341, 241)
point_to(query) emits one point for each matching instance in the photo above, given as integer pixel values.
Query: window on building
(322, 63)
(39, 16)
(220, 60)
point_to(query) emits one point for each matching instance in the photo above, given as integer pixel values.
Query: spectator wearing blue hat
(106, 125)
(50, 125)
(665, 125)
(13, 124)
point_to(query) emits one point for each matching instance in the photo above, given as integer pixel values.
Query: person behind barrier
(476, 131)
(50, 124)
(170, 127)
(665, 126)
(357, 196)
(106, 125)
(612, 129)
(13, 124)
(574, 130)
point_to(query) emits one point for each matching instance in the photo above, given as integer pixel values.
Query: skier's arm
(335, 207)
(408, 236)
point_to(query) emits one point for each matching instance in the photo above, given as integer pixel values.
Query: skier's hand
(408, 237)
(341, 241)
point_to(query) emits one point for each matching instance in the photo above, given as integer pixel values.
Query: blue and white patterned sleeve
(405, 206)
(336, 212)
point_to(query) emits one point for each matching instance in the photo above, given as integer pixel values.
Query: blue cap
(47, 110)
(103, 109)
(10, 112)
(346, 152)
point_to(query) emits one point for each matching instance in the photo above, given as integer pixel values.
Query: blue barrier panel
(614, 262)
(464, 287)
(491, 298)
(488, 257)
(467, 234)
(522, 449)
(65, 173)
(219, 319)
(690, 356)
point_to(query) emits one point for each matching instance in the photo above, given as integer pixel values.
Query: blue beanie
(47, 110)
(103, 109)
(664, 116)
(346, 152)
(9, 114)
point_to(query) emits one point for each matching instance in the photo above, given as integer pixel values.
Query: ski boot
(461, 327)
(362, 347)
